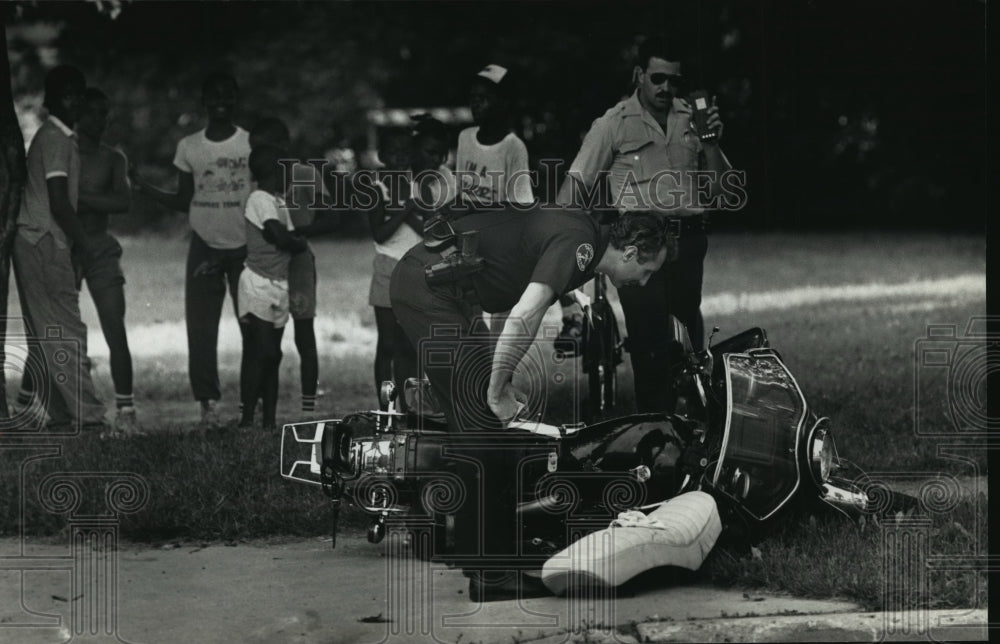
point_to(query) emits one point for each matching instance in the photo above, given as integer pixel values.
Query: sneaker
(33, 409)
(126, 422)
(210, 415)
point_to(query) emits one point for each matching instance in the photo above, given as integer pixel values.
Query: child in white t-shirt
(415, 183)
(491, 162)
(263, 287)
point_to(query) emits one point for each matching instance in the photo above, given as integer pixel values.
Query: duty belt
(679, 226)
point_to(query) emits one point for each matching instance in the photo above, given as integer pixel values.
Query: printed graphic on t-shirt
(483, 187)
(214, 185)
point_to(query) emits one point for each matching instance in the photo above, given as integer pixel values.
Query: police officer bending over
(651, 153)
(523, 262)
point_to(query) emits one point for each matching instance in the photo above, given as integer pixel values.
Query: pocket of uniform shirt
(636, 154)
(684, 154)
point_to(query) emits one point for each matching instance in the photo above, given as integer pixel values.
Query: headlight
(376, 456)
(821, 453)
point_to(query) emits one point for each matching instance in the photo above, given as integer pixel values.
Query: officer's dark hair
(645, 231)
(264, 161)
(658, 47)
(426, 126)
(269, 130)
(60, 81)
(218, 78)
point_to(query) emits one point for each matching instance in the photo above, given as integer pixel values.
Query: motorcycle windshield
(765, 414)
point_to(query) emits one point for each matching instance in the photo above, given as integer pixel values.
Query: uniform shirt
(263, 257)
(306, 188)
(491, 174)
(221, 186)
(561, 250)
(629, 143)
(53, 153)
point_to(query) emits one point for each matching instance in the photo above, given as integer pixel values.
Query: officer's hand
(714, 121)
(508, 404)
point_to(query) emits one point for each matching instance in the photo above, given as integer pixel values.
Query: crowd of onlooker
(250, 207)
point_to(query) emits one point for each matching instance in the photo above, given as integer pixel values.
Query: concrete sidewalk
(305, 592)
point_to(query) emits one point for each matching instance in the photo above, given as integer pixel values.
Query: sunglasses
(660, 78)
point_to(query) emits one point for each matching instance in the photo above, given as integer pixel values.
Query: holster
(457, 265)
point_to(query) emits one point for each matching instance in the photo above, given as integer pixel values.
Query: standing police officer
(651, 152)
(523, 263)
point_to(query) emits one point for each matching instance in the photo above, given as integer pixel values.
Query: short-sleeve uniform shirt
(561, 250)
(639, 155)
(490, 174)
(221, 186)
(53, 153)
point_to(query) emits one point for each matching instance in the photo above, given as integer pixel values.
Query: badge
(584, 253)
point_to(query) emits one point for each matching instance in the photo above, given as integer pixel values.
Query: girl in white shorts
(262, 300)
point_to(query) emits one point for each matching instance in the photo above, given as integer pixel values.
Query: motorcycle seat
(681, 532)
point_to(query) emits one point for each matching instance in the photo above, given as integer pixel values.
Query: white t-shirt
(263, 257)
(495, 173)
(221, 186)
(404, 238)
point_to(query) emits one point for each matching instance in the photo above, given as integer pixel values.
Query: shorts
(382, 266)
(103, 269)
(263, 297)
(302, 285)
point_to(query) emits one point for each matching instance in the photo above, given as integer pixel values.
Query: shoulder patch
(584, 255)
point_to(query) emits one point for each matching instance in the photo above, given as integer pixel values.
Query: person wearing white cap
(491, 162)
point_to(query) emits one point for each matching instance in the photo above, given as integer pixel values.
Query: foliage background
(843, 113)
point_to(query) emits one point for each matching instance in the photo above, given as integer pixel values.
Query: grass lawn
(855, 356)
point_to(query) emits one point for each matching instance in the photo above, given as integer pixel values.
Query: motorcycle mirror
(387, 392)
(715, 330)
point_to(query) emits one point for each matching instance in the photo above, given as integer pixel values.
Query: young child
(491, 161)
(212, 187)
(396, 227)
(263, 288)
(304, 189)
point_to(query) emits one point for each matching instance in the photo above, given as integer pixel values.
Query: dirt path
(307, 592)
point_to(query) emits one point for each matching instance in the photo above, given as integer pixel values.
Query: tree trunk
(12, 178)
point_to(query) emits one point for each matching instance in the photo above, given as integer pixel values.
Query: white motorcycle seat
(610, 557)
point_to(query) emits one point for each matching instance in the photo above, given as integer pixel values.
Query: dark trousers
(208, 272)
(394, 354)
(673, 290)
(454, 349)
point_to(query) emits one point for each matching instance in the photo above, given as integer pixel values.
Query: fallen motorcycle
(743, 447)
